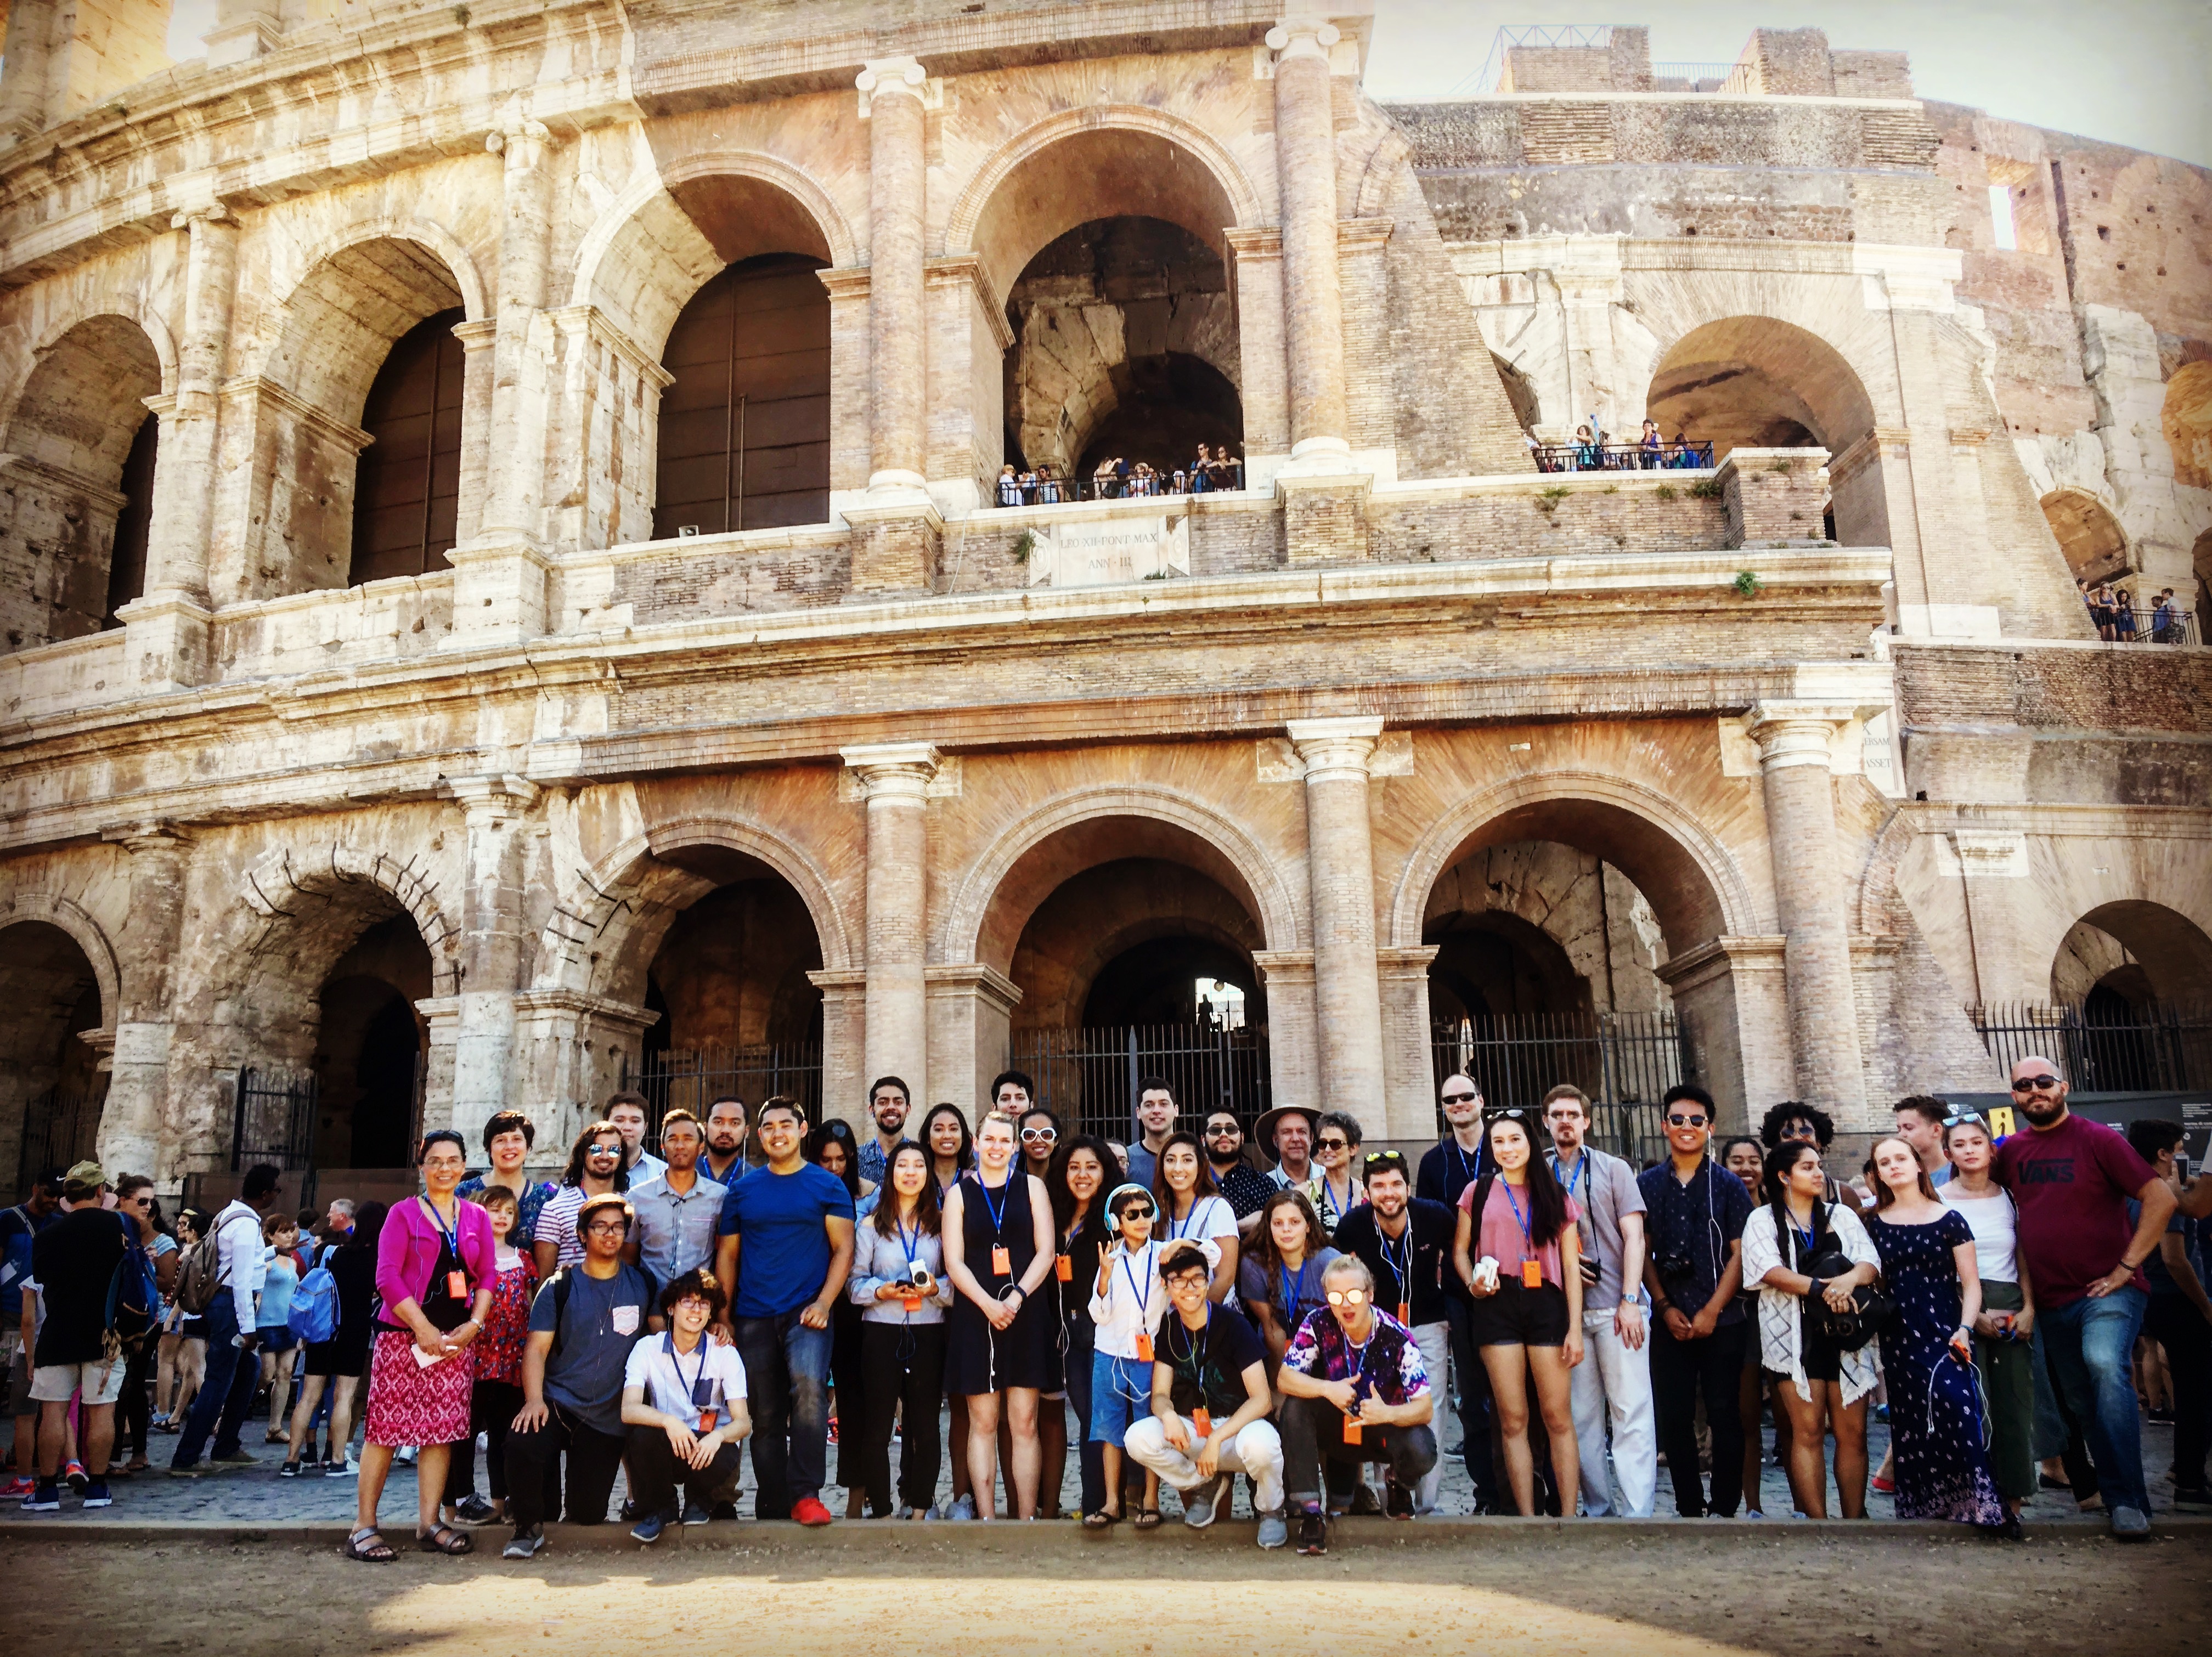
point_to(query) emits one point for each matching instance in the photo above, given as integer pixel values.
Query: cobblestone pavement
(257, 1495)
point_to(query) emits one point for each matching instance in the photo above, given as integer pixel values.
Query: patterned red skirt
(410, 1405)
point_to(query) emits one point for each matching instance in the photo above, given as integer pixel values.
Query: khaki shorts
(98, 1383)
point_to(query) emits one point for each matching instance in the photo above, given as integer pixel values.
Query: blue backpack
(314, 1315)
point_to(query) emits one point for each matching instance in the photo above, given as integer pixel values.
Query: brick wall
(2118, 687)
(1773, 496)
(1585, 518)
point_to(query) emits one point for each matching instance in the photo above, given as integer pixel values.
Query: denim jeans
(2088, 1346)
(226, 1392)
(787, 1381)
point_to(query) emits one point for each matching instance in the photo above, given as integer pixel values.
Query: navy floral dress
(1938, 1422)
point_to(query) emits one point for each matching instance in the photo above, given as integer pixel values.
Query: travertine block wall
(1774, 497)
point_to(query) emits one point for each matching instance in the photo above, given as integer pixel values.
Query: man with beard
(723, 1160)
(2072, 1179)
(888, 1104)
(1243, 1186)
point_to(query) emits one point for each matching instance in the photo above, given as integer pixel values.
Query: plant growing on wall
(1747, 583)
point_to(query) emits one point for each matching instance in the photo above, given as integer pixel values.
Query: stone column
(893, 778)
(1340, 864)
(30, 43)
(971, 1010)
(844, 1034)
(1792, 739)
(478, 341)
(499, 590)
(1305, 170)
(168, 643)
(1408, 1061)
(891, 91)
(493, 942)
(136, 1135)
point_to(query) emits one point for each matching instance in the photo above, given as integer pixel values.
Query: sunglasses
(1223, 1130)
(1336, 1144)
(604, 1150)
(2043, 1083)
(1347, 1297)
(1139, 1213)
(1686, 1121)
(1038, 1136)
(1461, 1098)
(1386, 1159)
(1510, 1113)
(1957, 1117)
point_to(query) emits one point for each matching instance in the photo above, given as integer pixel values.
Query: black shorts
(1516, 1316)
(342, 1357)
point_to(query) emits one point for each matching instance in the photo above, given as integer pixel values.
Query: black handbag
(1871, 1310)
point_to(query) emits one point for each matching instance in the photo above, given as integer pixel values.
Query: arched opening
(370, 1047)
(737, 1011)
(2132, 983)
(368, 346)
(1131, 941)
(51, 1084)
(407, 491)
(1124, 346)
(2185, 419)
(2096, 545)
(744, 425)
(1759, 383)
(77, 482)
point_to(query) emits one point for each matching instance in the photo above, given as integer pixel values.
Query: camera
(1673, 1268)
(917, 1274)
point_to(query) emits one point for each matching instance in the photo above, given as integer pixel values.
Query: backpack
(134, 1296)
(314, 1315)
(199, 1273)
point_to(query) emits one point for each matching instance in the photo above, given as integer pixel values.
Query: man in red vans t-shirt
(2072, 1179)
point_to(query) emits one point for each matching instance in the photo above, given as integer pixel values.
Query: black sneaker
(1364, 1502)
(2199, 1500)
(290, 1469)
(724, 1510)
(694, 1513)
(1313, 1534)
(473, 1510)
(47, 1498)
(522, 1546)
(1397, 1499)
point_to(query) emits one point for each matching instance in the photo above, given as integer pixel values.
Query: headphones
(1113, 1204)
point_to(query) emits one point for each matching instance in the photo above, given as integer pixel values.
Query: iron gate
(2156, 1048)
(1625, 1061)
(692, 1078)
(60, 1131)
(273, 1119)
(1089, 1075)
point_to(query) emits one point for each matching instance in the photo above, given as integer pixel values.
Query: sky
(2127, 71)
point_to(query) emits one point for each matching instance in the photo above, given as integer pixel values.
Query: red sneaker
(809, 1510)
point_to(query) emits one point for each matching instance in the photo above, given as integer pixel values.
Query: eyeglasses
(2043, 1083)
(1686, 1121)
(607, 1228)
(1223, 1130)
(690, 1302)
(1461, 1098)
(1336, 1144)
(1038, 1136)
(1347, 1297)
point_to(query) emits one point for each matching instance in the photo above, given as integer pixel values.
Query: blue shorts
(276, 1337)
(1121, 1392)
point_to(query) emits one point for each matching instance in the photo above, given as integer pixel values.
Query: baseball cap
(86, 1173)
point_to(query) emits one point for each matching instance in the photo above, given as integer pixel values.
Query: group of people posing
(1204, 1314)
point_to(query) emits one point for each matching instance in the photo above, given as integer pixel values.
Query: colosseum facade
(508, 587)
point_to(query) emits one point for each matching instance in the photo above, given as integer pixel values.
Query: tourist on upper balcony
(1651, 447)
(1048, 489)
(1686, 452)
(1202, 471)
(1104, 481)
(1010, 486)
(2124, 617)
(2162, 619)
(1589, 454)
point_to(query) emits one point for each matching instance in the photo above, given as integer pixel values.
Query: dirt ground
(1536, 1593)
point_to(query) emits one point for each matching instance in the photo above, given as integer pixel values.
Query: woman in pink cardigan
(436, 1262)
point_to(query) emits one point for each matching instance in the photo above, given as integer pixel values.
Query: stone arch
(2173, 952)
(1760, 382)
(1693, 883)
(677, 225)
(52, 1002)
(2089, 532)
(2185, 419)
(84, 931)
(360, 291)
(980, 922)
(306, 907)
(1105, 160)
(602, 938)
(149, 322)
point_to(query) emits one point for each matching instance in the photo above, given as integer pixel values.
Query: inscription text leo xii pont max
(1107, 550)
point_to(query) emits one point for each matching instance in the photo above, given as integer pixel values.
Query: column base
(169, 642)
(499, 592)
(898, 543)
(1324, 514)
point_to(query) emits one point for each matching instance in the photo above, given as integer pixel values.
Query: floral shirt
(1390, 1360)
(507, 1326)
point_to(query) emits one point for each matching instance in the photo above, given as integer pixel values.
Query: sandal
(1101, 1520)
(445, 1539)
(375, 1551)
(1148, 1519)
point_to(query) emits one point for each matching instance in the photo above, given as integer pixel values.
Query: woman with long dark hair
(1077, 1184)
(1279, 1281)
(1192, 1206)
(1822, 1387)
(1518, 1252)
(899, 1286)
(1937, 1420)
(1746, 1157)
(944, 1134)
(1002, 1348)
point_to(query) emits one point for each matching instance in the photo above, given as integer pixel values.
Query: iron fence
(692, 1078)
(1031, 490)
(2156, 1048)
(273, 1116)
(1625, 1061)
(60, 1131)
(1089, 1076)
(1623, 457)
(1693, 76)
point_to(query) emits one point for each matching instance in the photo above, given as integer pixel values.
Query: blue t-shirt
(603, 1319)
(783, 1257)
(17, 1231)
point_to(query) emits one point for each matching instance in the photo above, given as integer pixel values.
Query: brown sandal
(445, 1539)
(376, 1551)
(1148, 1519)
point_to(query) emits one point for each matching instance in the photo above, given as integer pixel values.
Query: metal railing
(1700, 77)
(1622, 457)
(1089, 1076)
(60, 1131)
(1625, 1061)
(273, 1115)
(692, 1078)
(1027, 489)
(1594, 37)
(2181, 626)
(2156, 1048)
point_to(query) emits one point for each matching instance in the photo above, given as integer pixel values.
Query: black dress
(978, 1358)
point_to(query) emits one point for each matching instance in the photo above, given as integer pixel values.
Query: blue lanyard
(451, 1239)
(1580, 1172)
(1400, 1265)
(998, 1214)
(1527, 1242)
(1294, 1291)
(1470, 1167)
(690, 1393)
(1144, 1295)
(1177, 1228)
(1809, 1233)
(1329, 1195)
(906, 1247)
